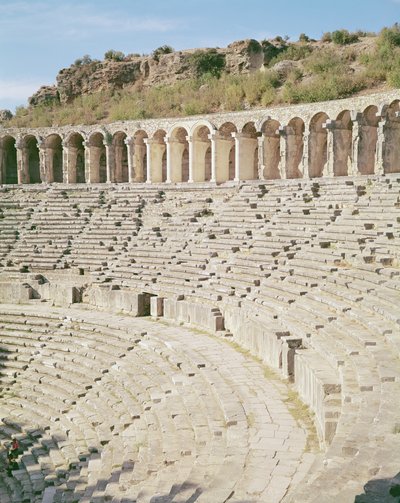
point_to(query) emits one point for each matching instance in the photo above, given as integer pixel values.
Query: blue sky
(39, 37)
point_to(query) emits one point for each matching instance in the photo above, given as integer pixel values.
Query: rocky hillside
(247, 73)
(116, 72)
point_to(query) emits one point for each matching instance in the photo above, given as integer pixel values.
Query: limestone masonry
(123, 305)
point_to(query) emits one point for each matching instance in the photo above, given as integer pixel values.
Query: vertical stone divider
(355, 141)
(213, 138)
(189, 139)
(261, 154)
(45, 175)
(282, 152)
(130, 150)
(148, 142)
(22, 161)
(88, 174)
(380, 145)
(329, 169)
(304, 161)
(110, 158)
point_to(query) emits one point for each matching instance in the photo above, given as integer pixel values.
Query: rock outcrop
(88, 77)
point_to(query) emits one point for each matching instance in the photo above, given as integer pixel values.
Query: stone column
(22, 161)
(66, 154)
(380, 145)
(214, 137)
(88, 174)
(355, 140)
(191, 158)
(328, 170)
(261, 157)
(304, 161)
(43, 162)
(168, 141)
(130, 149)
(110, 158)
(237, 137)
(282, 152)
(148, 142)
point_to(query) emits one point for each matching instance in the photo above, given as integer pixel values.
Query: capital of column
(150, 141)
(128, 141)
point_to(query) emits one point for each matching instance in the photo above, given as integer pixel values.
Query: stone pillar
(261, 157)
(43, 162)
(237, 137)
(304, 161)
(148, 142)
(130, 149)
(88, 174)
(191, 158)
(22, 161)
(66, 154)
(213, 137)
(380, 145)
(110, 159)
(355, 140)
(328, 170)
(282, 152)
(168, 142)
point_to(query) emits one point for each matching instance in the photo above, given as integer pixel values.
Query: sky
(40, 37)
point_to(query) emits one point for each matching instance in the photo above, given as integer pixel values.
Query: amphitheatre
(203, 309)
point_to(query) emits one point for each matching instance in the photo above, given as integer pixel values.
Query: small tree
(164, 49)
(304, 38)
(211, 62)
(344, 37)
(112, 55)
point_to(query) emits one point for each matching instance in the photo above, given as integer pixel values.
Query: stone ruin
(203, 310)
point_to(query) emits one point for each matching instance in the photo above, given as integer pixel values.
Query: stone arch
(139, 159)
(178, 154)
(156, 160)
(342, 144)
(368, 136)
(317, 145)
(120, 166)
(32, 159)
(76, 166)
(294, 147)
(8, 161)
(54, 158)
(226, 152)
(391, 145)
(202, 153)
(97, 158)
(248, 152)
(271, 149)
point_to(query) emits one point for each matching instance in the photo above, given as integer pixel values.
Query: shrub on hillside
(292, 52)
(84, 60)
(207, 62)
(112, 55)
(271, 50)
(254, 46)
(326, 37)
(303, 38)
(344, 37)
(164, 49)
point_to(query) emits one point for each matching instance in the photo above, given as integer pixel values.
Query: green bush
(325, 61)
(254, 47)
(112, 55)
(292, 52)
(271, 51)
(84, 60)
(303, 38)
(344, 37)
(207, 62)
(164, 49)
